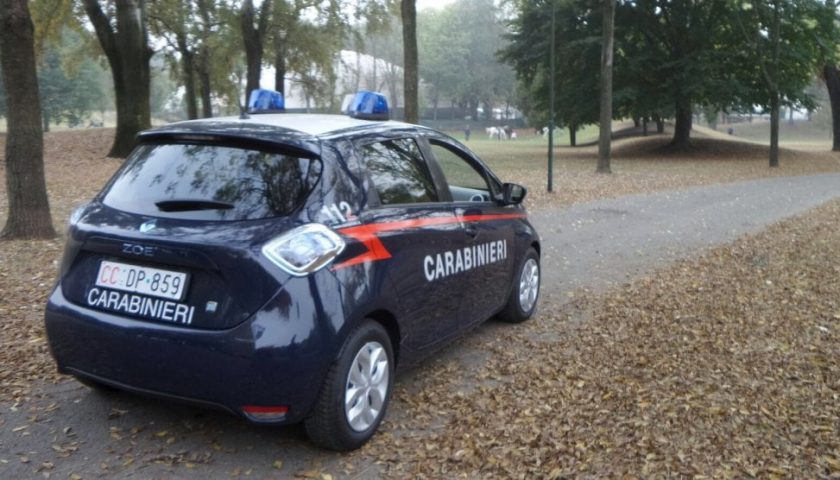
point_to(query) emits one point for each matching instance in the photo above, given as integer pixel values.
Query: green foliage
(669, 54)
(309, 33)
(458, 46)
(577, 57)
(780, 51)
(70, 91)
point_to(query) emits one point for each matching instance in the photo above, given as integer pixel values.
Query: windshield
(211, 182)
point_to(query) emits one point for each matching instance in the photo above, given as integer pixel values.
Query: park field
(720, 366)
(76, 166)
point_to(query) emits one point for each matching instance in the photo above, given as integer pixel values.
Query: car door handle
(471, 230)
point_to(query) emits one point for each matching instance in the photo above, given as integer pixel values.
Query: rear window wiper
(188, 205)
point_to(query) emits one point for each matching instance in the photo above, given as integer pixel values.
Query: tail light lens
(304, 249)
(265, 414)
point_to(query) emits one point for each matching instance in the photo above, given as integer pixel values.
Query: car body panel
(270, 337)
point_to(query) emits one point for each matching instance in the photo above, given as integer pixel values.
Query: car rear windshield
(211, 182)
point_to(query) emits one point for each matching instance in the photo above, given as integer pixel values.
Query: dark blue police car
(280, 266)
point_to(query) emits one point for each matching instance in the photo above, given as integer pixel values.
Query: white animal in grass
(496, 133)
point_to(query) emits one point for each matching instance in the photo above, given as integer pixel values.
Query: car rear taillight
(304, 249)
(265, 413)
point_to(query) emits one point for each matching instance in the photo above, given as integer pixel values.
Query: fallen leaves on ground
(76, 168)
(726, 367)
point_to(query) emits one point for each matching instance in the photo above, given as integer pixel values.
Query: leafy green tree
(305, 37)
(683, 64)
(173, 21)
(71, 83)
(459, 55)
(779, 55)
(577, 53)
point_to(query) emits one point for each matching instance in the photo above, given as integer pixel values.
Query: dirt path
(68, 430)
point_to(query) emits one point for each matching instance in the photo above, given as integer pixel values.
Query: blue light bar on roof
(369, 106)
(266, 101)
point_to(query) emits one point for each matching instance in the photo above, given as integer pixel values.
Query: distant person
(730, 131)
(467, 133)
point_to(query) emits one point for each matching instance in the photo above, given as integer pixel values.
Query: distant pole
(551, 107)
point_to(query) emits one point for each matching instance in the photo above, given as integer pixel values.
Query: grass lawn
(639, 165)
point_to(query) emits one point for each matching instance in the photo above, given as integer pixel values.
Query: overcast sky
(421, 4)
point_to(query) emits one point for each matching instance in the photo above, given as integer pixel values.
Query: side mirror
(513, 194)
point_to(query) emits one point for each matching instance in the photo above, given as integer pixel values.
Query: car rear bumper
(262, 362)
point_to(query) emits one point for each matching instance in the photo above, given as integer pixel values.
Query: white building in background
(355, 71)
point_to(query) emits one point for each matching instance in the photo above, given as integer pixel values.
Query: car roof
(299, 131)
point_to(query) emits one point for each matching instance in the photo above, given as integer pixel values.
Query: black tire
(327, 425)
(514, 312)
(95, 386)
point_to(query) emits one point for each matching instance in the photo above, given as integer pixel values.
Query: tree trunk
(280, 64)
(46, 121)
(203, 69)
(252, 37)
(832, 83)
(127, 49)
(573, 135)
(188, 73)
(682, 125)
(774, 131)
(29, 207)
(204, 84)
(772, 83)
(660, 125)
(408, 10)
(605, 136)
(645, 126)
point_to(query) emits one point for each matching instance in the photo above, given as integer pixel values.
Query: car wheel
(522, 302)
(356, 391)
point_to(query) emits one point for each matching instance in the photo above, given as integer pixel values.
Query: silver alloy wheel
(367, 385)
(529, 284)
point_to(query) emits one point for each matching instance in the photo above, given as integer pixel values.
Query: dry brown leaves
(727, 367)
(76, 168)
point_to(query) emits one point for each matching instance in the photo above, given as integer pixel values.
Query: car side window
(399, 172)
(465, 182)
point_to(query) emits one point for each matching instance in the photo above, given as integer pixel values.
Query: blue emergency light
(266, 101)
(368, 106)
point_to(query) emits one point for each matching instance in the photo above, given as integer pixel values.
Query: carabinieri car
(279, 266)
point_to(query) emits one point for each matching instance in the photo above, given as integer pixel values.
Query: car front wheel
(522, 302)
(356, 391)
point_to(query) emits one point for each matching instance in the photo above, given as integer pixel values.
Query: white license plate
(143, 280)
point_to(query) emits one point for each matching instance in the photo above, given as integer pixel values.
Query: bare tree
(29, 207)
